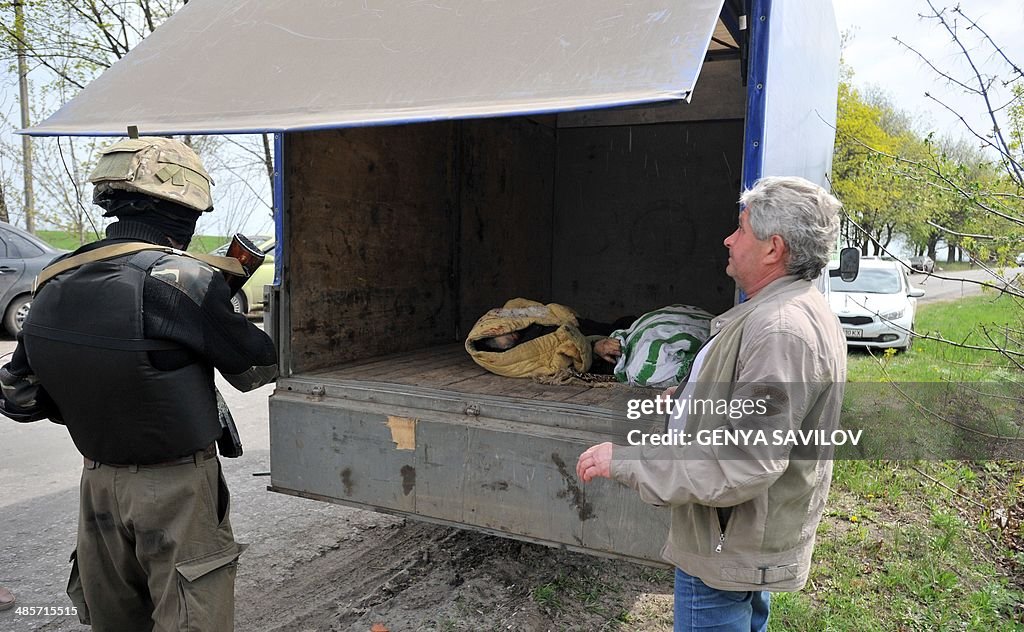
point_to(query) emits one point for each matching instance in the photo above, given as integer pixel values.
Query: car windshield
(870, 281)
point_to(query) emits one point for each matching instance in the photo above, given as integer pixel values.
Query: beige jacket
(784, 347)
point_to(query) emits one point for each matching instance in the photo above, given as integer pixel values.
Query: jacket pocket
(75, 591)
(206, 590)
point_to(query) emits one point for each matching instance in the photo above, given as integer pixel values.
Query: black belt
(203, 455)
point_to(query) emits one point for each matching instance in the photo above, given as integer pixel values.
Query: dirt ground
(317, 567)
(349, 569)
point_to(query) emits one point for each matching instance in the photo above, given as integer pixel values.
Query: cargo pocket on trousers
(206, 590)
(75, 590)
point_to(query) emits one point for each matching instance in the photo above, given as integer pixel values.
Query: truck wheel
(238, 303)
(17, 310)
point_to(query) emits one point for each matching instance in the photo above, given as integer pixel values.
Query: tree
(3, 204)
(1002, 138)
(68, 43)
(854, 167)
(870, 130)
(26, 142)
(968, 194)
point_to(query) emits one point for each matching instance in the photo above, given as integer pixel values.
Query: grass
(67, 241)
(956, 266)
(915, 545)
(898, 551)
(965, 397)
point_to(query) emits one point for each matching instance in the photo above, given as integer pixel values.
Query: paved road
(946, 286)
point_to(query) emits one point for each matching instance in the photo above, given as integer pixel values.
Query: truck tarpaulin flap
(233, 66)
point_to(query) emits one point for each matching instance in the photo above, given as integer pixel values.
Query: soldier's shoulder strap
(224, 264)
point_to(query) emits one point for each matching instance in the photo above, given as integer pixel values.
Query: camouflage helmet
(160, 167)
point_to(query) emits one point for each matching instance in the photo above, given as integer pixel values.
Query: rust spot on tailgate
(346, 480)
(576, 496)
(408, 478)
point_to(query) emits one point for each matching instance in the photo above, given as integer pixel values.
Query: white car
(877, 309)
(1020, 259)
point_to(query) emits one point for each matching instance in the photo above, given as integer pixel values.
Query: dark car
(22, 256)
(923, 263)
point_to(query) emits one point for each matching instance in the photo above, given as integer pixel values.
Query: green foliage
(878, 194)
(77, 41)
(207, 243)
(60, 239)
(910, 560)
(66, 241)
(894, 180)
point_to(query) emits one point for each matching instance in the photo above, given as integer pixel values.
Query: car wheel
(14, 317)
(238, 303)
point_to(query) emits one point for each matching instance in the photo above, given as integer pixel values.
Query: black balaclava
(142, 215)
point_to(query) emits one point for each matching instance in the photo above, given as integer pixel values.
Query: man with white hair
(744, 513)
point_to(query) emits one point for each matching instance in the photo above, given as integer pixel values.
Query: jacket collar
(780, 286)
(136, 231)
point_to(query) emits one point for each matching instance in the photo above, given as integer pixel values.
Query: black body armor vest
(85, 341)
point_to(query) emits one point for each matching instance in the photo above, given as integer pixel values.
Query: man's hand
(596, 461)
(608, 349)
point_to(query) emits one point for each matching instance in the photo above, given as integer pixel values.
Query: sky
(877, 60)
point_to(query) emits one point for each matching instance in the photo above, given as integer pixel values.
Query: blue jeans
(701, 607)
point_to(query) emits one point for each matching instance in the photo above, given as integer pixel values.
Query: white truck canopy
(236, 66)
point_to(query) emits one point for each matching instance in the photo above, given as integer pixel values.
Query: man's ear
(777, 251)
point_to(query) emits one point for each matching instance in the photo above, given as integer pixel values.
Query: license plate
(853, 333)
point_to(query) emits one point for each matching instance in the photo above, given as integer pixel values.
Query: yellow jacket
(543, 356)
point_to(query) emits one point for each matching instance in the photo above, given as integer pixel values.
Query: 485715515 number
(45, 611)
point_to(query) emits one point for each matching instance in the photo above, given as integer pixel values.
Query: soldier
(120, 346)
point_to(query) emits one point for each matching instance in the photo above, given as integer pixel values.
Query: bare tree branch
(996, 47)
(41, 60)
(984, 92)
(985, 140)
(945, 75)
(953, 232)
(148, 13)
(1007, 286)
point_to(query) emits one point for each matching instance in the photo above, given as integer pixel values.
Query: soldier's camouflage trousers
(155, 549)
